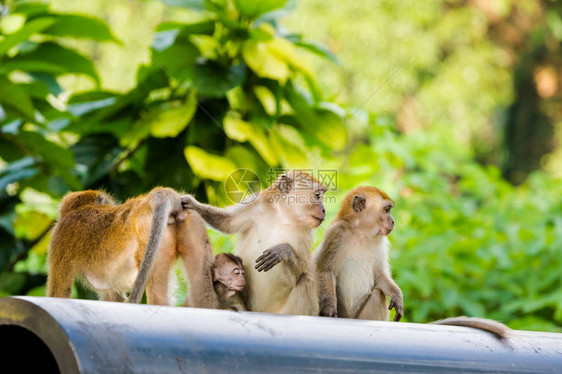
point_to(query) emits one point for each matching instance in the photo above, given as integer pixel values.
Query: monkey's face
(309, 207)
(373, 214)
(230, 274)
(299, 199)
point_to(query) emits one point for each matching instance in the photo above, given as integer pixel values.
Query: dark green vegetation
(226, 87)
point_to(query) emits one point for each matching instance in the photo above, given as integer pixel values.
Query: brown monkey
(281, 220)
(352, 260)
(116, 248)
(228, 279)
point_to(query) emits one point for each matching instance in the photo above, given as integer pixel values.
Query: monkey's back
(88, 232)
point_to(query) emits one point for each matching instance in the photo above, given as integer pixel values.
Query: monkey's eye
(387, 209)
(236, 271)
(242, 271)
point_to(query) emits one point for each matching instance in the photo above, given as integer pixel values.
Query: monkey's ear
(285, 183)
(216, 275)
(359, 203)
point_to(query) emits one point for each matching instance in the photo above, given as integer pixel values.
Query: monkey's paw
(398, 305)
(328, 311)
(188, 202)
(268, 259)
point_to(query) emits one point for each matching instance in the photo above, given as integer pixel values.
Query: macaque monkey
(352, 260)
(116, 248)
(228, 280)
(280, 220)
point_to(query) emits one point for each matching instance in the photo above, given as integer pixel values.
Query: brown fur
(105, 244)
(228, 279)
(276, 232)
(352, 260)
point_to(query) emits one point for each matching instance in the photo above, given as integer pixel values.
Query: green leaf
(31, 66)
(18, 170)
(170, 118)
(16, 97)
(213, 80)
(319, 50)
(208, 166)
(60, 160)
(189, 4)
(178, 59)
(67, 59)
(263, 62)
(206, 27)
(243, 131)
(24, 33)
(267, 99)
(31, 9)
(253, 8)
(78, 26)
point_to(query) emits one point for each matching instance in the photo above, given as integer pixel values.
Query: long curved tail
(157, 229)
(489, 325)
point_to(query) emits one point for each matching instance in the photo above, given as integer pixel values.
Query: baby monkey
(352, 261)
(228, 280)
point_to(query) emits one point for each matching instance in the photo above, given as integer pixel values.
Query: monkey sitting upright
(228, 280)
(116, 248)
(275, 232)
(352, 260)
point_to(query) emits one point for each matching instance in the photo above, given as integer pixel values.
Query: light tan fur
(352, 261)
(116, 248)
(489, 325)
(275, 231)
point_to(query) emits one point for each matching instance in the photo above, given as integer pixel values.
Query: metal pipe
(103, 337)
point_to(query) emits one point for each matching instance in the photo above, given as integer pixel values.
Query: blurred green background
(452, 107)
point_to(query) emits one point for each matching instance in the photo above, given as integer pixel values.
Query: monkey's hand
(397, 303)
(328, 308)
(188, 202)
(273, 256)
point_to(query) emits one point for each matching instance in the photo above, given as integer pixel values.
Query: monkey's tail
(157, 229)
(489, 325)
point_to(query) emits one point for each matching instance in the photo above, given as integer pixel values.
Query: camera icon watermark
(242, 186)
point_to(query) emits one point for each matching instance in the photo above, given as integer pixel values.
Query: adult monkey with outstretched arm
(116, 248)
(280, 221)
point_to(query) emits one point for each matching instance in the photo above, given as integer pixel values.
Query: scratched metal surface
(102, 337)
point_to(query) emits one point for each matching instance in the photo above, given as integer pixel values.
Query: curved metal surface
(103, 337)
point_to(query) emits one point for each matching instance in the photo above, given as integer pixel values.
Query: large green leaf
(53, 54)
(31, 9)
(254, 8)
(16, 97)
(24, 33)
(170, 118)
(78, 26)
(178, 59)
(214, 80)
(243, 131)
(209, 166)
(264, 62)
